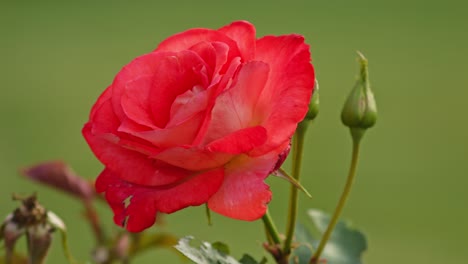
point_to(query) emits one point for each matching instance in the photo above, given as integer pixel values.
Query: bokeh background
(410, 197)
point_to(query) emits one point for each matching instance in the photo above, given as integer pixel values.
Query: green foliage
(302, 252)
(221, 247)
(346, 244)
(247, 259)
(206, 253)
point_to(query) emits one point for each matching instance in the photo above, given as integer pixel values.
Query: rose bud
(360, 110)
(203, 118)
(314, 104)
(59, 175)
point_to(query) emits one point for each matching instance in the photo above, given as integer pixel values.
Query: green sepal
(281, 173)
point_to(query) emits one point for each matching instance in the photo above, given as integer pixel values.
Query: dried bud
(10, 232)
(38, 224)
(29, 218)
(360, 110)
(39, 238)
(59, 175)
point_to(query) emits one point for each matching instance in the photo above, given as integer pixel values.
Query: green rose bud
(314, 103)
(360, 110)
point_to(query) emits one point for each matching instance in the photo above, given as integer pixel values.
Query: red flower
(204, 118)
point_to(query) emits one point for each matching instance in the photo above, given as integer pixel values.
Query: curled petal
(133, 166)
(181, 134)
(243, 33)
(145, 202)
(104, 97)
(140, 67)
(234, 108)
(135, 101)
(244, 195)
(285, 99)
(173, 76)
(214, 54)
(187, 39)
(224, 82)
(193, 158)
(240, 141)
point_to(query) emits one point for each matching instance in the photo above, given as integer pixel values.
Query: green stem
(342, 201)
(272, 231)
(297, 151)
(268, 236)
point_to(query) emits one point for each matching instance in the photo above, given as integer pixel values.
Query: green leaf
(216, 253)
(302, 253)
(221, 247)
(346, 244)
(204, 254)
(247, 259)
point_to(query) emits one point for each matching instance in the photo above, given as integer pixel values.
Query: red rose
(204, 118)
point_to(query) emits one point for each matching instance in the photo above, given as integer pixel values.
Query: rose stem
(272, 231)
(297, 149)
(93, 219)
(342, 201)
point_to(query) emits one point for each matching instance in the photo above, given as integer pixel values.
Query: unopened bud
(59, 175)
(314, 103)
(39, 238)
(10, 232)
(360, 110)
(38, 224)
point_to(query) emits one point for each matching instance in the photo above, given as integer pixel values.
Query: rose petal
(207, 52)
(234, 108)
(142, 66)
(173, 76)
(222, 56)
(135, 101)
(187, 105)
(214, 91)
(193, 158)
(187, 39)
(105, 96)
(285, 99)
(131, 165)
(244, 194)
(181, 134)
(240, 141)
(243, 33)
(145, 202)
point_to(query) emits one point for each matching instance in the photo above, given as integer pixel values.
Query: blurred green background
(410, 197)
